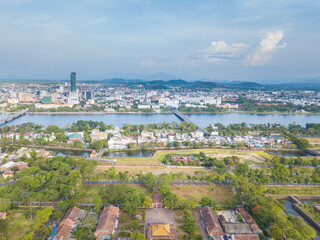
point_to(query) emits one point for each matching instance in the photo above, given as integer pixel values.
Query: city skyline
(233, 40)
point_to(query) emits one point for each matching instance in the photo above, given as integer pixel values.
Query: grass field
(315, 142)
(19, 225)
(294, 190)
(264, 154)
(244, 156)
(156, 170)
(220, 193)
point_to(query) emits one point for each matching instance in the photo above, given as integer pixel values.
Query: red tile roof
(211, 221)
(107, 222)
(64, 229)
(248, 218)
(245, 237)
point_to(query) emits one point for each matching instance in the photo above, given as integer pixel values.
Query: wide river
(203, 120)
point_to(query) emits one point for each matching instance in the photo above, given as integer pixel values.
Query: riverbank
(157, 113)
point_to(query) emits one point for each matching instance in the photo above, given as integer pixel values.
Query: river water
(202, 120)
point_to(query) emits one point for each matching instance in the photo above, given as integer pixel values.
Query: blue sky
(229, 40)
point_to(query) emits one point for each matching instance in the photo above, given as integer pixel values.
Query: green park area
(294, 190)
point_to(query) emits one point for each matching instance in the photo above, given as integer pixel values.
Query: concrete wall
(302, 197)
(306, 216)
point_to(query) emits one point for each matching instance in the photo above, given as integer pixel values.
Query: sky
(252, 40)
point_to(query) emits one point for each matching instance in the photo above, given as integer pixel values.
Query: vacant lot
(157, 170)
(19, 225)
(294, 190)
(251, 157)
(220, 193)
(315, 142)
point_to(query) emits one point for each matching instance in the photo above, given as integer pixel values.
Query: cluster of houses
(6, 169)
(12, 160)
(106, 227)
(32, 136)
(164, 137)
(229, 224)
(117, 140)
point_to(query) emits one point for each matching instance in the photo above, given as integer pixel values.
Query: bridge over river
(13, 116)
(184, 118)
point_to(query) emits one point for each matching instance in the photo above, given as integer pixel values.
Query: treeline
(244, 128)
(182, 127)
(209, 108)
(252, 106)
(82, 125)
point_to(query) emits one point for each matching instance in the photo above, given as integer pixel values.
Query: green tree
(5, 204)
(3, 226)
(206, 201)
(29, 236)
(189, 225)
(151, 181)
(97, 203)
(61, 137)
(15, 169)
(137, 236)
(42, 217)
(280, 173)
(242, 169)
(45, 231)
(147, 203)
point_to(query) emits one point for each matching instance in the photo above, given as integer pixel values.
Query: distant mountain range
(161, 84)
(297, 84)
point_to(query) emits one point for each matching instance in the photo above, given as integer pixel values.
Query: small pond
(135, 153)
(290, 153)
(64, 152)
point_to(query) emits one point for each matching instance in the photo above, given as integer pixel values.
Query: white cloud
(268, 45)
(220, 51)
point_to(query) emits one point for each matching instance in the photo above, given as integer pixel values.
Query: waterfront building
(47, 100)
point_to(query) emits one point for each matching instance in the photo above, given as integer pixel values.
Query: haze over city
(193, 40)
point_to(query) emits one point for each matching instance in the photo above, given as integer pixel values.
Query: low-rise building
(211, 223)
(68, 223)
(108, 222)
(249, 220)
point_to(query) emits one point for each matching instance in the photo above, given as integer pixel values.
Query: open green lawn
(264, 154)
(220, 193)
(294, 190)
(19, 225)
(251, 156)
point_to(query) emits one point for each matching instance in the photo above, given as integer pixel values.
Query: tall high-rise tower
(73, 81)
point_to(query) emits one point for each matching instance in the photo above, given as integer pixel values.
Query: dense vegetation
(269, 213)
